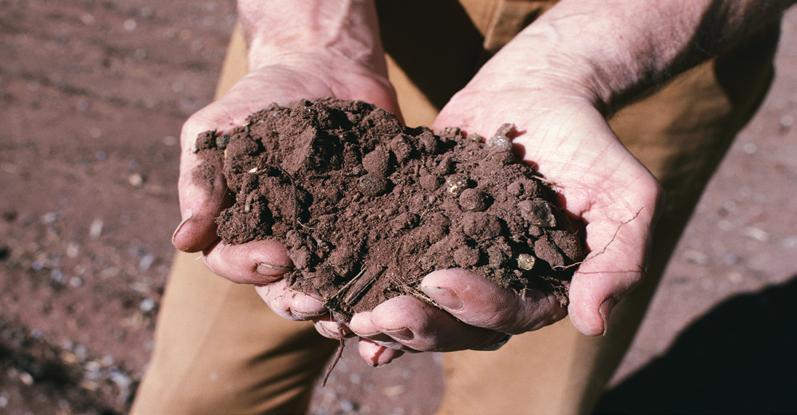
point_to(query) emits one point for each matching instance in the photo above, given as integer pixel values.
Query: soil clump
(367, 206)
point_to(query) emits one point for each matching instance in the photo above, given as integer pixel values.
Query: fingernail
(301, 315)
(443, 296)
(401, 334)
(604, 310)
(188, 215)
(264, 268)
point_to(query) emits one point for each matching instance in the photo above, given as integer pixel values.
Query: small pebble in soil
(146, 262)
(135, 180)
(49, 217)
(72, 250)
(786, 122)
(76, 282)
(146, 305)
(95, 228)
(349, 406)
(456, 184)
(526, 262)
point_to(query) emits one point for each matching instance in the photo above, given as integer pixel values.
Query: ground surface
(92, 95)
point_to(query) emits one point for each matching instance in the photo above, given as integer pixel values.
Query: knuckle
(209, 263)
(189, 126)
(534, 314)
(328, 332)
(227, 274)
(192, 127)
(195, 122)
(502, 315)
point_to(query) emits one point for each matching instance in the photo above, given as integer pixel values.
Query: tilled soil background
(92, 96)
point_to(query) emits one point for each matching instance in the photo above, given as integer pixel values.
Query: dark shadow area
(434, 42)
(741, 357)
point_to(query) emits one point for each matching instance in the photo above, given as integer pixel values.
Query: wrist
(345, 31)
(612, 51)
(590, 49)
(540, 61)
(541, 78)
(297, 75)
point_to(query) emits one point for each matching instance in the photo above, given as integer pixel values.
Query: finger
(257, 262)
(376, 355)
(478, 302)
(332, 329)
(290, 304)
(362, 326)
(423, 327)
(202, 192)
(618, 248)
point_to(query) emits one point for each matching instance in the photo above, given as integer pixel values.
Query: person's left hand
(263, 263)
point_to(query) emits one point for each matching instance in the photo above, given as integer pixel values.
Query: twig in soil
(640, 269)
(354, 296)
(605, 247)
(331, 367)
(348, 284)
(295, 198)
(248, 203)
(350, 293)
(546, 181)
(421, 296)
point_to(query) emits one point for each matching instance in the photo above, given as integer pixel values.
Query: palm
(261, 262)
(598, 179)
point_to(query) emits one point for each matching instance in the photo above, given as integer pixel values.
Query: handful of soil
(367, 206)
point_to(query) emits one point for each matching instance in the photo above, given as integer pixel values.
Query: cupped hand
(262, 263)
(568, 140)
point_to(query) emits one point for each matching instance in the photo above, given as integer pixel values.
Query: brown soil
(89, 100)
(367, 206)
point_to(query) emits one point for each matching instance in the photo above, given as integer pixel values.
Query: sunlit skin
(557, 82)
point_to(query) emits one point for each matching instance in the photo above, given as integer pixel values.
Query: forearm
(278, 28)
(612, 49)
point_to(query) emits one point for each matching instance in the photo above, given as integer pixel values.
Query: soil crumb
(367, 206)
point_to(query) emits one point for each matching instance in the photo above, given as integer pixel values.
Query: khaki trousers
(219, 350)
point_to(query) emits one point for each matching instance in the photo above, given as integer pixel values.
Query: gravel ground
(92, 96)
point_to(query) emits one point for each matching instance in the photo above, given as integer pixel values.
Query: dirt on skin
(367, 206)
(76, 72)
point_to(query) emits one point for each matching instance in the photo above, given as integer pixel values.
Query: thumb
(593, 297)
(609, 272)
(202, 191)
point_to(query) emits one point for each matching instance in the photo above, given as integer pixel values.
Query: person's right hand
(262, 263)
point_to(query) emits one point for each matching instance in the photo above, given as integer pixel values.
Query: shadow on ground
(741, 357)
